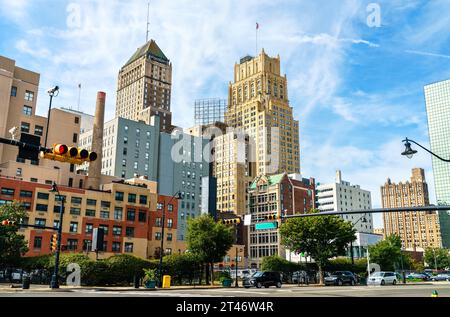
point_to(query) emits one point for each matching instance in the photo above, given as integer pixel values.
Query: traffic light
(272, 217)
(54, 241)
(231, 221)
(73, 155)
(8, 222)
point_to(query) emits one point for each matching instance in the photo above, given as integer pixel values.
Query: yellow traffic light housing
(54, 241)
(73, 155)
(272, 217)
(232, 221)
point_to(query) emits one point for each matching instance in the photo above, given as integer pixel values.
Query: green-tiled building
(437, 98)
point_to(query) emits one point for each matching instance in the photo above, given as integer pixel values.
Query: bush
(345, 264)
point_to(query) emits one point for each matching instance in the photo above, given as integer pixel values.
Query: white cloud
(16, 10)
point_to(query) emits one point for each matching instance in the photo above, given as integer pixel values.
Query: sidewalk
(5, 287)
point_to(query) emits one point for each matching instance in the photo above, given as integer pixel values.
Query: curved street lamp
(409, 152)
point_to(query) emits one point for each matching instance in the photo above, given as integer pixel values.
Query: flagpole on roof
(148, 22)
(79, 96)
(257, 27)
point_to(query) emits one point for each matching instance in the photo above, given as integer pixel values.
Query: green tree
(437, 258)
(12, 244)
(387, 253)
(208, 240)
(322, 237)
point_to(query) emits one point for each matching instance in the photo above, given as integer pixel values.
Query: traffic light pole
(26, 146)
(55, 283)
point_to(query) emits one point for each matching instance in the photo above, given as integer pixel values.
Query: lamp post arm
(442, 159)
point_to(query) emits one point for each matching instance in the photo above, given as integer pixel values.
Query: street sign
(266, 225)
(247, 220)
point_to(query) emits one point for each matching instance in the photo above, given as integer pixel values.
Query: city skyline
(356, 78)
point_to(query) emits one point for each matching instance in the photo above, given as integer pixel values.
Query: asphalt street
(417, 290)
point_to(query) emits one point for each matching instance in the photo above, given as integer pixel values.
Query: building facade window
(128, 247)
(89, 228)
(13, 91)
(73, 227)
(29, 95)
(129, 232)
(119, 196)
(169, 223)
(37, 243)
(132, 198)
(118, 213)
(25, 127)
(115, 247)
(142, 216)
(27, 110)
(117, 231)
(131, 214)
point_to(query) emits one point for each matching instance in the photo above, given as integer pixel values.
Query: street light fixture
(55, 282)
(52, 92)
(177, 195)
(409, 152)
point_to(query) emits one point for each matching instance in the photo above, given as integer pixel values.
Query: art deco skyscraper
(144, 86)
(258, 102)
(418, 229)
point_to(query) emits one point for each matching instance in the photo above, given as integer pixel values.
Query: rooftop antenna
(148, 22)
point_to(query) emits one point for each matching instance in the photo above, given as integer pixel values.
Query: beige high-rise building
(144, 86)
(18, 95)
(417, 230)
(258, 102)
(233, 170)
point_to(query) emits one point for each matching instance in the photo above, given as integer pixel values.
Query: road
(417, 290)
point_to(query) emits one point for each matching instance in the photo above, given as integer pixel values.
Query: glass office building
(437, 98)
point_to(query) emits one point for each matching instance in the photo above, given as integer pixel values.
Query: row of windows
(29, 95)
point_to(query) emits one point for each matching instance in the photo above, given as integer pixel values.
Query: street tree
(321, 237)
(12, 244)
(208, 240)
(388, 253)
(437, 258)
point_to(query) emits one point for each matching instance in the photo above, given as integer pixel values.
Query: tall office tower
(234, 171)
(418, 229)
(144, 86)
(209, 111)
(437, 98)
(342, 196)
(258, 102)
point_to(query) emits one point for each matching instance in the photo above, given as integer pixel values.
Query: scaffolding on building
(208, 111)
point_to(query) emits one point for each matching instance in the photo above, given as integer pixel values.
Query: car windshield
(377, 274)
(257, 274)
(337, 273)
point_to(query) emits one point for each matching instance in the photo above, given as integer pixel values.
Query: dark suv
(341, 278)
(266, 279)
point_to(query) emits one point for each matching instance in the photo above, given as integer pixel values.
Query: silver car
(382, 278)
(441, 277)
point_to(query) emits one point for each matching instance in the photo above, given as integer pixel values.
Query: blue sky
(356, 90)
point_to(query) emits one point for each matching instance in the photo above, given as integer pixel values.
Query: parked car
(341, 278)
(266, 279)
(382, 278)
(441, 277)
(421, 276)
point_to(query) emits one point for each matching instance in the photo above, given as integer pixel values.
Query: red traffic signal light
(8, 222)
(60, 149)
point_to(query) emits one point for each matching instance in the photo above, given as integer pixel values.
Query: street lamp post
(54, 282)
(53, 92)
(435, 263)
(161, 253)
(408, 152)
